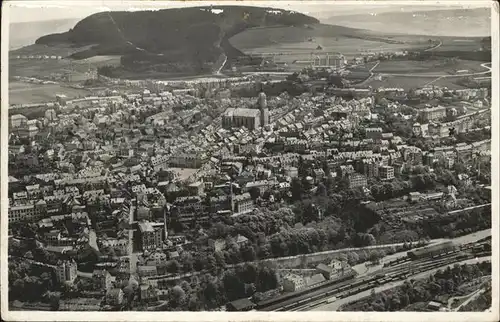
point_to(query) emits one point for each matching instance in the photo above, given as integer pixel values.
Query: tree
(254, 192)
(177, 295)
(248, 253)
(173, 266)
(54, 300)
(187, 263)
(211, 262)
(375, 256)
(296, 189)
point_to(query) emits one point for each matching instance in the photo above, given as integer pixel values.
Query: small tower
(264, 111)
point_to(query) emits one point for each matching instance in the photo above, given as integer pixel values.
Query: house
(293, 282)
(102, 278)
(242, 241)
(240, 305)
(151, 235)
(243, 203)
(324, 270)
(146, 270)
(148, 293)
(434, 306)
(315, 279)
(114, 297)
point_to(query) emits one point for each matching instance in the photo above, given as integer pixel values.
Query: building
(240, 305)
(196, 188)
(325, 270)
(27, 212)
(241, 117)
(66, 271)
(413, 155)
(148, 293)
(251, 118)
(357, 180)
(243, 203)
(386, 173)
(264, 110)
(315, 279)
(369, 167)
(432, 113)
(147, 270)
(187, 208)
(103, 279)
(187, 160)
(329, 60)
(18, 120)
(292, 283)
(114, 297)
(373, 132)
(151, 235)
(158, 163)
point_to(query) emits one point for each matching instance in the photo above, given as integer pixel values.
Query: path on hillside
(434, 47)
(470, 299)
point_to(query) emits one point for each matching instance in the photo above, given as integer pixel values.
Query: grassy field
(35, 49)
(411, 82)
(46, 67)
(460, 44)
(25, 93)
(430, 67)
(297, 43)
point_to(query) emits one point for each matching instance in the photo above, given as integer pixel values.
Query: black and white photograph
(249, 156)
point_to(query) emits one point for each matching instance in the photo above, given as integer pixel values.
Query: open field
(431, 67)
(45, 67)
(411, 82)
(57, 50)
(301, 41)
(459, 44)
(26, 93)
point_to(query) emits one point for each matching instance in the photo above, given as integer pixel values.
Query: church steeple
(264, 111)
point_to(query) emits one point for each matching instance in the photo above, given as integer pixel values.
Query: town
(269, 190)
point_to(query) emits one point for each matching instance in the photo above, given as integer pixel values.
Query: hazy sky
(33, 10)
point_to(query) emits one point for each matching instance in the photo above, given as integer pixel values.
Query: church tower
(264, 111)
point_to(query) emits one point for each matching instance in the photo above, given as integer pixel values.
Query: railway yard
(415, 262)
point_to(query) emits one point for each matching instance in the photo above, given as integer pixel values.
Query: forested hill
(171, 35)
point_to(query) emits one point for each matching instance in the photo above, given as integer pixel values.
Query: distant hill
(170, 39)
(26, 33)
(454, 22)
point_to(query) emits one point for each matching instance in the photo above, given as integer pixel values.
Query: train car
(432, 250)
(331, 300)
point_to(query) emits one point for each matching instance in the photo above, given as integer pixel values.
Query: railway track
(396, 270)
(398, 274)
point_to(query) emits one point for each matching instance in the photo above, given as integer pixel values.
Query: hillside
(185, 39)
(452, 22)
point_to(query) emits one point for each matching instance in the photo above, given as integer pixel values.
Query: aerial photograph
(246, 157)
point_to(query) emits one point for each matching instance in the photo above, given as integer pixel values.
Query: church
(251, 118)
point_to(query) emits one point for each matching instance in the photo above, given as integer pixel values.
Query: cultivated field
(430, 67)
(26, 93)
(298, 42)
(411, 82)
(46, 67)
